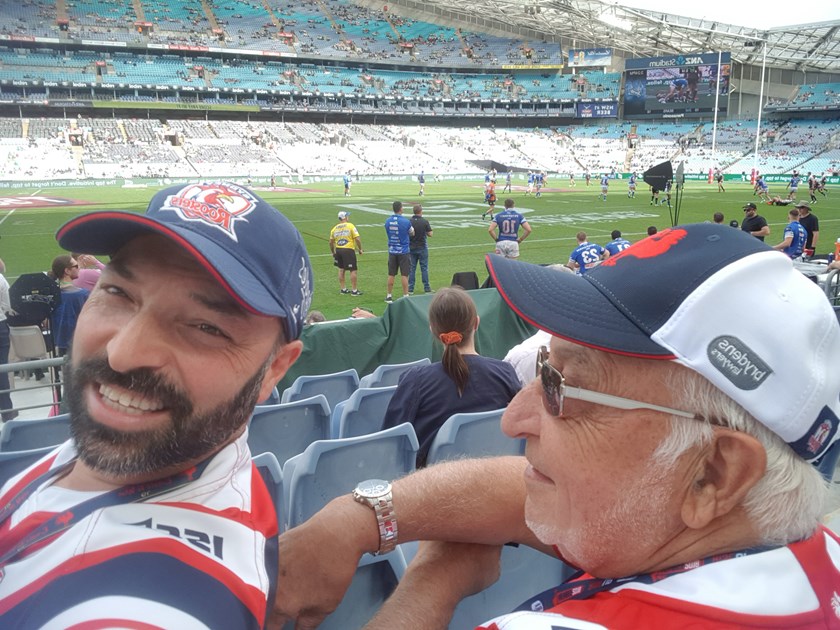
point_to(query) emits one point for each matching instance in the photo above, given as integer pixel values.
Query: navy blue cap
(712, 299)
(253, 251)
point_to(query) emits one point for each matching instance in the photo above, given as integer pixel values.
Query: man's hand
(438, 578)
(317, 560)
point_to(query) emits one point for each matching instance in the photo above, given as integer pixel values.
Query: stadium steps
(61, 10)
(274, 19)
(24, 126)
(138, 10)
(393, 27)
(123, 133)
(211, 17)
(325, 10)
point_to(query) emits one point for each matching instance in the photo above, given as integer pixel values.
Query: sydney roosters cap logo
(217, 205)
(650, 247)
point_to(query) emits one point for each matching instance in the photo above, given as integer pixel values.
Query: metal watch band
(387, 521)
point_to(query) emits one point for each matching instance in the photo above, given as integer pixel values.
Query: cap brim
(571, 307)
(106, 232)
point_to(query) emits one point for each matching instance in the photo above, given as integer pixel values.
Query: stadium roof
(639, 32)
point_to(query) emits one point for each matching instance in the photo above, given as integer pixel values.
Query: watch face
(372, 488)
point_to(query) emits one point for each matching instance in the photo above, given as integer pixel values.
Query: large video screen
(676, 87)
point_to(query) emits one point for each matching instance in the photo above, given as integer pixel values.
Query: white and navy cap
(251, 249)
(343, 215)
(713, 299)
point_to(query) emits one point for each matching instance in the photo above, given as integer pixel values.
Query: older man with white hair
(674, 431)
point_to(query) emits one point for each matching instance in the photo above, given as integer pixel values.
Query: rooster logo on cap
(217, 205)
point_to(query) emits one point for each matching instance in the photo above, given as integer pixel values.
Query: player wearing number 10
(586, 255)
(508, 222)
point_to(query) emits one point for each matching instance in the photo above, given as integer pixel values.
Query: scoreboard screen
(676, 87)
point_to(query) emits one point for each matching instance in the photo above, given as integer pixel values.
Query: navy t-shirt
(426, 396)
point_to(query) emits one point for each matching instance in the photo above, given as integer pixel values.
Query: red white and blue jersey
(509, 222)
(798, 235)
(586, 255)
(203, 554)
(797, 586)
(616, 245)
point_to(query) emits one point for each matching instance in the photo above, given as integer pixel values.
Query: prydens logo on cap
(737, 362)
(217, 205)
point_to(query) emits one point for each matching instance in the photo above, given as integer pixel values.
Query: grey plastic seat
(363, 412)
(286, 429)
(329, 468)
(389, 374)
(476, 434)
(23, 435)
(335, 387)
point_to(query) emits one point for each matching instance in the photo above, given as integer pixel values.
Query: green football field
(454, 210)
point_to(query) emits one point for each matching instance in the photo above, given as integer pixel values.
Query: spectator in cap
(344, 243)
(156, 512)
(672, 453)
(734, 224)
(754, 223)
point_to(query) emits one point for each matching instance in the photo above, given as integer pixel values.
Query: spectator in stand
(663, 457)
(90, 268)
(65, 269)
(463, 381)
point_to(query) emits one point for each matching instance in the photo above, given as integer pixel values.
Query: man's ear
(730, 466)
(283, 359)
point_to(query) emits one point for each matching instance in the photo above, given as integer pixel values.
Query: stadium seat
(386, 375)
(272, 475)
(287, 429)
(336, 387)
(13, 462)
(525, 572)
(363, 412)
(329, 468)
(476, 434)
(465, 279)
(24, 435)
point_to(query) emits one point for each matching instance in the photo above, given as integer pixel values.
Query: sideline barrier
(401, 335)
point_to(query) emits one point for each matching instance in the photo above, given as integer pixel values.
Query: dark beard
(187, 438)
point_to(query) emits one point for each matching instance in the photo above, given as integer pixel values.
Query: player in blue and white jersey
(794, 236)
(631, 186)
(586, 255)
(617, 244)
(667, 192)
(793, 184)
(761, 189)
(348, 181)
(508, 177)
(539, 180)
(508, 222)
(421, 179)
(605, 186)
(530, 188)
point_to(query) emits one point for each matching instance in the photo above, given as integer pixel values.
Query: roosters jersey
(797, 586)
(202, 554)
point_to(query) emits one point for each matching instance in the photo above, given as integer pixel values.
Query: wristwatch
(376, 494)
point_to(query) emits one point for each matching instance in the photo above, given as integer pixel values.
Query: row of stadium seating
(39, 148)
(253, 75)
(334, 28)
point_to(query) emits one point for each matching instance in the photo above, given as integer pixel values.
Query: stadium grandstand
(204, 89)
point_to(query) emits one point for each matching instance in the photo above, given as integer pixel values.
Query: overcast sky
(769, 14)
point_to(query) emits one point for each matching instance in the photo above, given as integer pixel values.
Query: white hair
(788, 502)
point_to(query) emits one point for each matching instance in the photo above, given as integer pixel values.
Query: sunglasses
(555, 391)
